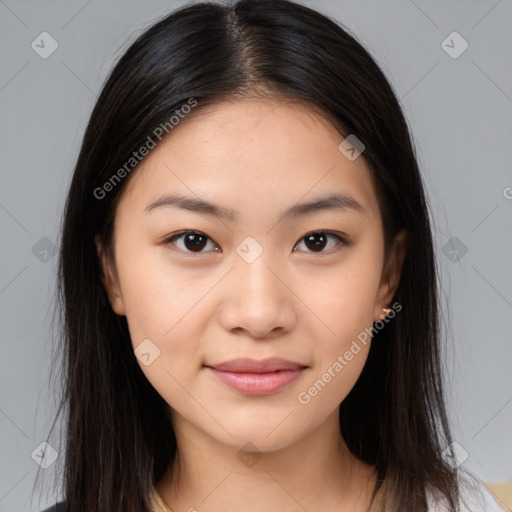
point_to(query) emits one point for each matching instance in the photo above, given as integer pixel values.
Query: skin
(258, 157)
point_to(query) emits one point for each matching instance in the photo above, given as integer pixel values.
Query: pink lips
(253, 377)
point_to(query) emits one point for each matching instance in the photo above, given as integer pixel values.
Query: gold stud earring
(386, 312)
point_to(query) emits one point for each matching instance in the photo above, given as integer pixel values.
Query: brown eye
(191, 241)
(318, 240)
(196, 242)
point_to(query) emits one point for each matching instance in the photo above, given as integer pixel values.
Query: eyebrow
(339, 201)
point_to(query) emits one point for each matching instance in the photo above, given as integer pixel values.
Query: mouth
(252, 377)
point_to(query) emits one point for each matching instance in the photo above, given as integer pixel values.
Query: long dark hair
(119, 440)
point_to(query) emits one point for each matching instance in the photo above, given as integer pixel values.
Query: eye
(193, 241)
(318, 240)
(196, 241)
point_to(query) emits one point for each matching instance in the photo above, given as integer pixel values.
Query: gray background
(460, 111)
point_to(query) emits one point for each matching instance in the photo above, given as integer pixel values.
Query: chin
(265, 436)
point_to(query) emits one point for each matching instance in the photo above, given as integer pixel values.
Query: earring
(386, 312)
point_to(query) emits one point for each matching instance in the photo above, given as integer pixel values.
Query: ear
(109, 279)
(391, 274)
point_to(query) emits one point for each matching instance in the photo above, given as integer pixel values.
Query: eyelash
(341, 240)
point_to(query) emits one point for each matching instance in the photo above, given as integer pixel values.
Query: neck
(316, 472)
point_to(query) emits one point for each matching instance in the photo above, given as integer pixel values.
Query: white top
(474, 498)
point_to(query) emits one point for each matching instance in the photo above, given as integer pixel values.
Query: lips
(252, 377)
(246, 365)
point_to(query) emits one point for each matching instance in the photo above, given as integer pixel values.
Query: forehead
(251, 156)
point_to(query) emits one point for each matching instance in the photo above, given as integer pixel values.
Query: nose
(258, 301)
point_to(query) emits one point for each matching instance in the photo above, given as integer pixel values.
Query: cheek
(345, 305)
(165, 317)
(338, 362)
(158, 298)
(344, 302)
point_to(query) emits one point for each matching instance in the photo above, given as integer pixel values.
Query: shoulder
(58, 507)
(474, 497)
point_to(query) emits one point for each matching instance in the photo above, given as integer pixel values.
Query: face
(245, 279)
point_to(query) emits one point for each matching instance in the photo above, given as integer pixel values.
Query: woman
(248, 279)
